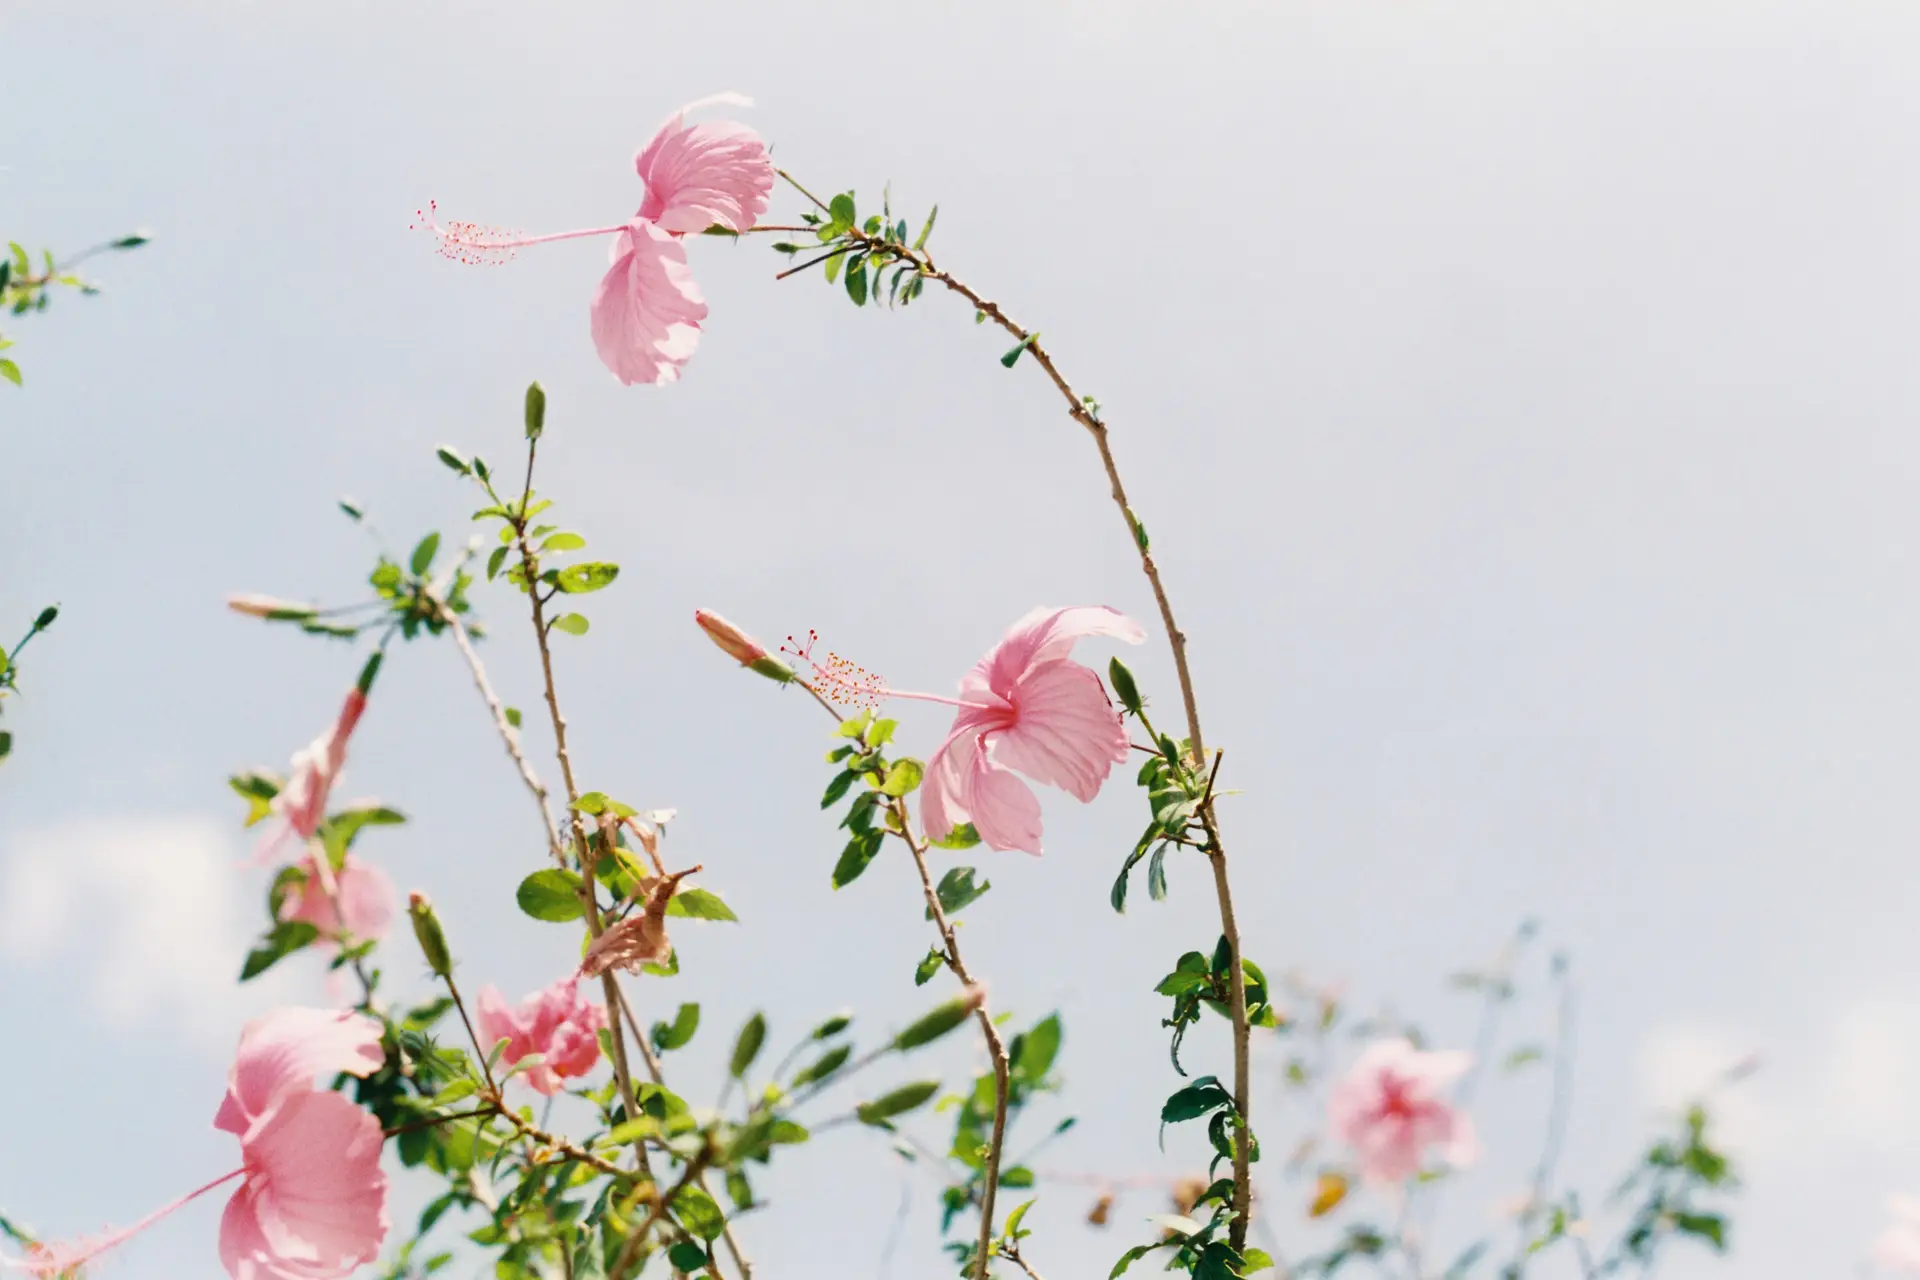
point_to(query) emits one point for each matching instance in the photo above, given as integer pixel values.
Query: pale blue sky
(1520, 396)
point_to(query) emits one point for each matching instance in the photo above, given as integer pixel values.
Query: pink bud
(742, 647)
(256, 606)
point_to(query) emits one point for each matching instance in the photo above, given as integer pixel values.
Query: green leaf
(353, 511)
(133, 241)
(857, 284)
(571, 623)
(423, 553)
(674, 1035)
(563, 541)
(10, 371)
(698, 1213)
(1013, 356)
(699, 904)
(285, 939)
(1254, 1260)
(687, 1257)
(6, 744)
(837, 788)
(1130, 1257)
(833, 265)
(578, 579)
(832, 1026)
(907, 1097)
(747, 1047)
(1012, 1230)
(957, 890)
(920, 242)
(903, 778)
(860, 851)
(552, 895)
(1157, 874)
(840, 208)
(928, 966)
(1194, 1101)
(454, 460)
(823, 1066)
(494, 561)
(536, 410)
(934, 1024)
(596, 802)
(1710, 1227)
(1035, 1051)
(961, 837)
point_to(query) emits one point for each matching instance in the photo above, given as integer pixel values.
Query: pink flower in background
(365, 896)
(556, 1022)
(1392, 1105)
(1898, 1247)
(1027, 707)
(647, 311)
(302, 803)
(313, 1203)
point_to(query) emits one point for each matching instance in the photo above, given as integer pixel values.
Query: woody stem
(1083, 413)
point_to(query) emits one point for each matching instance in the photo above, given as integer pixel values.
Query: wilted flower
(1392, 1105)
(557, 1023)
(647, 310)
(640, 939)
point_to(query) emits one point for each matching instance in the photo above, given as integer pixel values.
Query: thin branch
(1081, 411)
(508, 735)
(630, 1252)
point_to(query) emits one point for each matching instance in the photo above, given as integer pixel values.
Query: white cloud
(154, 915)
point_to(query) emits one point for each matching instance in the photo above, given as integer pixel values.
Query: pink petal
(1068, 734)
(1048, 634)
(315, 1195)
(705, 175)
(1005, 811)
(647, 311)
(284, 1050)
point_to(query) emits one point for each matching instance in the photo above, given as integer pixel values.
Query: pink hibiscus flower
(1027, 708)
(313, 1203)
(556, 1022)
(1392, 1106)
(647, 311)
(356, 901)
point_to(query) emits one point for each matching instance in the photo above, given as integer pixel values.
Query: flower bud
(433, 939)
(270, 608)
(741, 647)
